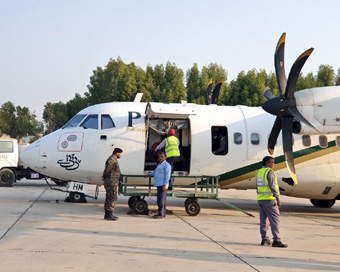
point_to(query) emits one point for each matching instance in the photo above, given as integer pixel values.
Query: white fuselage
(79, 154)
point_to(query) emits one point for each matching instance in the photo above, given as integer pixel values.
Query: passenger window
(91, 121)
(323, 142)
(75, 121)
(337, 140)
(237, 138)
(219, 140)
(306, 141)
(255, 138)
(107, 122)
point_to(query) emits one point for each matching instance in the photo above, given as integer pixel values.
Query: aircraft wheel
(7, 177)
(132, 200)
(140, 206)
(192, 208)
(76, 197)
(320, 203)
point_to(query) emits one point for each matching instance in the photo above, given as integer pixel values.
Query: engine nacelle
(321, 107)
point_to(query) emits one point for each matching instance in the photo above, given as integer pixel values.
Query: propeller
(213, 95)
(216, 91)
(284, 105)
(208, 91)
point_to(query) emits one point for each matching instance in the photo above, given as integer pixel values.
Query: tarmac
(41, 232)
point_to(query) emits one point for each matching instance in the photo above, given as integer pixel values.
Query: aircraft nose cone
(30, 156)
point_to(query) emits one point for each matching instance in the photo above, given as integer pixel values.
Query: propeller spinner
(284, 105)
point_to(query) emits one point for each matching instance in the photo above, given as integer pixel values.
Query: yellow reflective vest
(263, 189)
(172, 147)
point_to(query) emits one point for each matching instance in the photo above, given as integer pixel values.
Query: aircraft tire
(321, 203)
(76, 197)
(7, 178)
(192, 208)
(132, 200)
(140, 206)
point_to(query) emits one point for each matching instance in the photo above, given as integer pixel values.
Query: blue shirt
(161, 174)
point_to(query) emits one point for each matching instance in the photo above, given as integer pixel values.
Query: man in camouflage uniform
(111, 177)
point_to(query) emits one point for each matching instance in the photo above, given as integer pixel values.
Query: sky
(49, 49)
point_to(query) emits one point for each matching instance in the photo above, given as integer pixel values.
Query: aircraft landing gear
(76, 197)
(321, 203)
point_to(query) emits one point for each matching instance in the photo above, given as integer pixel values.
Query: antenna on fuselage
(138, 97)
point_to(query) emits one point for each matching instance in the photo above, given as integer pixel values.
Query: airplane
(77, 152)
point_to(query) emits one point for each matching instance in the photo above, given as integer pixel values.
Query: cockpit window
(75, 121)
(107, 122)
(91, 121)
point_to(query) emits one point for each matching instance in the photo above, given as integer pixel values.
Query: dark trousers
(270, 210)
(161, 201)
(172, 161)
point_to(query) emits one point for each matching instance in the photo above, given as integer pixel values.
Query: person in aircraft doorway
(268, 198)
(223, 145)
(171, 144)
(111, 177)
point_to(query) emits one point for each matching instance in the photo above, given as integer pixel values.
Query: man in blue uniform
(268, 198)
(161, 176)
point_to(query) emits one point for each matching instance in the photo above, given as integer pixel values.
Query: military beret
(117, 150)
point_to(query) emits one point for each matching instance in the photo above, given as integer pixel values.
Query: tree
(75, 105)
(306, 82)
(7, 115)
(325, 76)
(55, 116)
(193, 84)
(337, 81)
(118, 82)
(197, 82)
(248, 88)
(18, 122)
(174, 90)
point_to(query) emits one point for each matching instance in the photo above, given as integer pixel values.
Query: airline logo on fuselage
(132, 116)
(71, 162)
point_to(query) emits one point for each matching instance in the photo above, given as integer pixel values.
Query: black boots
(265, 242)
(109, 216)
(279, 244)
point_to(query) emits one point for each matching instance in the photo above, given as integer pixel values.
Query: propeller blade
(267, 93)
(280, 65)
(208, 92)
(273, 135)
(294, 112)
(216, 91)
(295, 72)
(287, 137)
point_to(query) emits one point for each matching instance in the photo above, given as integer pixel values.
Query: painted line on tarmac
(214, 241)
(16, 221)
(211, 239)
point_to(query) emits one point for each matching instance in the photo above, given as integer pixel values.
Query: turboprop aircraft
(77, 152)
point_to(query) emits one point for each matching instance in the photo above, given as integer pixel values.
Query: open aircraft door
(160, 118)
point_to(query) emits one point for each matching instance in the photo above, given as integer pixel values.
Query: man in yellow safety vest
(268, 198)
(171, 144)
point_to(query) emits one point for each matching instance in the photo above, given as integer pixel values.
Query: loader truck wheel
(7, 178)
